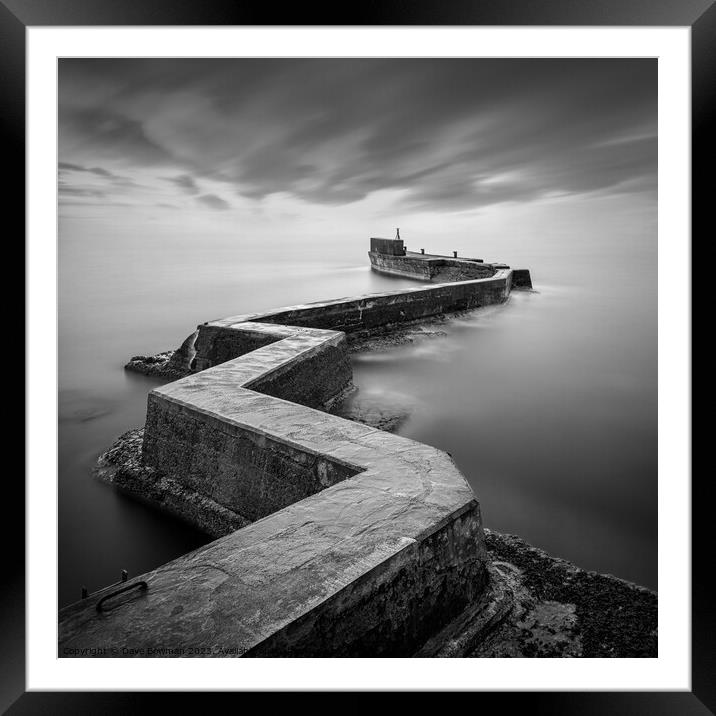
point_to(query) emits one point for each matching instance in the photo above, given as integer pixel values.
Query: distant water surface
(547, 404)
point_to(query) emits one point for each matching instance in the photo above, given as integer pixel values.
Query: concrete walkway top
(438, 257)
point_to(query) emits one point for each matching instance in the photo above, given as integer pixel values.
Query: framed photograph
(360, 347)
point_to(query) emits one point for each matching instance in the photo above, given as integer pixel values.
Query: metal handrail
(86, 594)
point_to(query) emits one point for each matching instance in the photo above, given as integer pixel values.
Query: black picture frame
(699, 15)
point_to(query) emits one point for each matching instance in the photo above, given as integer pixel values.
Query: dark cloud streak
(66, 166)
(79, 191)
(213, 202)
(106, 134)
(185, 182)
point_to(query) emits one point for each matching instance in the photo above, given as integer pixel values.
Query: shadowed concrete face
(427, 267)
(355, 316)
(369, 542)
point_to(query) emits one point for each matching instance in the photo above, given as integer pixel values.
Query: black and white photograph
(357, 353)
(357, 357)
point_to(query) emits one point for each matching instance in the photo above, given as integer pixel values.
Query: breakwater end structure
(390, 256)
(339, 539)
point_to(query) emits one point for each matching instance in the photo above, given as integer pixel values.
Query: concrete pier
(363, 543)
(217, 340)
(389, 256)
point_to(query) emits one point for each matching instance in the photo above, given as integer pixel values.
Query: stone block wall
(400, 266)
(360, 315)
(430, 268)
(521, 278)
(226, 345)
(392, 247)
(246, 471)
(456, 270)
(316, 381)
(424, 586)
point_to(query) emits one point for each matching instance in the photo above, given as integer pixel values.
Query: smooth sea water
(548, 403)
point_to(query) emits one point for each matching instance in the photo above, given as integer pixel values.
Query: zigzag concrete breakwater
(362, 543)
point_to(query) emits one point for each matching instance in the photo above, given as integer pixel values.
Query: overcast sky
(198, 138)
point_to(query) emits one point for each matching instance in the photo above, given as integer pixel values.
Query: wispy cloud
(185, 182)
(68, 167)
(80, 191)
(213, 202)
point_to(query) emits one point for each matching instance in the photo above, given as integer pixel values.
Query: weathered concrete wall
(361, 314)
(243, 470)
(394, 247)
(400, 266)
(417, 592)
(226, 345)
(456, 270)
(521, 278)
(425, 267)
(122, 466)
(364, 314)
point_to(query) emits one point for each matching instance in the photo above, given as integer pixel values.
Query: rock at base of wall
(122, 466)
(539, 606)
(561, 610)
(371, 410)
(168, 364)
(163, 365)
(174, 364)
(159, 365)
(390, 336)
